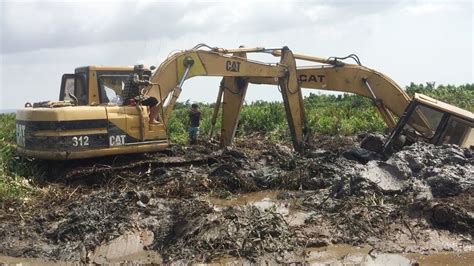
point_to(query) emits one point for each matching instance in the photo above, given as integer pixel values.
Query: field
(326, 114)
(251, 201)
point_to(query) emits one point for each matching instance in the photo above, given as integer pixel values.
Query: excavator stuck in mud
(246, 201)
(85, 123)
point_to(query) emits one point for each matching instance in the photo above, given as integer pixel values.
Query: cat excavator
(87, 122)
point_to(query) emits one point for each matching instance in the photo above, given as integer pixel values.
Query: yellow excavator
(87, 121)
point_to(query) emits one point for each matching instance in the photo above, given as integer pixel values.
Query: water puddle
(344, 255)
(264, 200)
(336, 255)
(349, 255)
(6, 260)
(127, 247)
(444, 258)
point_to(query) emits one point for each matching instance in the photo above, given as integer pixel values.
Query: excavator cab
(94, 85)
(443, 124)
(89, 120)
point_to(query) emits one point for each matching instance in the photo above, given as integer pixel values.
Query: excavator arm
(236, 69)
(168, 79)
(389, 98)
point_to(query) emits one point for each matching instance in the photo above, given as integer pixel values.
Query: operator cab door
(73, 86)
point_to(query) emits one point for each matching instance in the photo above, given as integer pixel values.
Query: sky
(408, 40)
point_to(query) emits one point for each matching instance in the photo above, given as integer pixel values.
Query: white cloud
(42, 40)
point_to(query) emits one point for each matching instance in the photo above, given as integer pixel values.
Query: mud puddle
(130, 247)
(349, 255)
(333, 255)
(265, 201)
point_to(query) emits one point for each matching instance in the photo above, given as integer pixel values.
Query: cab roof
(445, 107)
(104, 68)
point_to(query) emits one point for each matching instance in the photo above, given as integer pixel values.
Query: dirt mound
(448, 170)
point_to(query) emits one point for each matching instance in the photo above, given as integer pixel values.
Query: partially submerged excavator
(85, 123)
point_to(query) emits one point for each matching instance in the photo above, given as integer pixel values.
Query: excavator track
(131, 165)
(149, 165)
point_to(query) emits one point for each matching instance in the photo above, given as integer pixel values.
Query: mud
(256, 200)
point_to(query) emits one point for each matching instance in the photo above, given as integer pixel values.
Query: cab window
(456, 131)
(73, 86)
(111, 86)
(424, 119)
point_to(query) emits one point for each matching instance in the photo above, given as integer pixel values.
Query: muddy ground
(191, 204)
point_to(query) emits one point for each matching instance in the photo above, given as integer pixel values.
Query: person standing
(132, 92)
(194, 119)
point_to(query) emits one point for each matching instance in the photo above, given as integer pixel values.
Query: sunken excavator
(86, 123)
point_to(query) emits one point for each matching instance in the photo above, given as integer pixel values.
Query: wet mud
(256, 201)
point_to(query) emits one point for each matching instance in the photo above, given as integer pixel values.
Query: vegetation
(461, 96)
(326, 114)
(15, 173)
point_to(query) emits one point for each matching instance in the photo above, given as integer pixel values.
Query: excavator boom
(390, 99)
(171, 74)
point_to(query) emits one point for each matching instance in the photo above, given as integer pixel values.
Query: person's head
(194, 107)
(139, 68)
(146, 74)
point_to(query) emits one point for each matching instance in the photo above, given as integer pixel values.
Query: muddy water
(127, 247)
(445, 258)
(131, 246)
(264, 200)
(334, 255)
(349, 255)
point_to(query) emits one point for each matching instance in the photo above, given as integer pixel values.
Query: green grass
(16, 174)
(326, 114)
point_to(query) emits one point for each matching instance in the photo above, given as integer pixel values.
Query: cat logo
(118, 140)
(311, 78)
(232, 66)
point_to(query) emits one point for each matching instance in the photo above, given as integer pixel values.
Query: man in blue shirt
(194, 119)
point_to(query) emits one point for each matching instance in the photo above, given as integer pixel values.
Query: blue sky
(409, 41)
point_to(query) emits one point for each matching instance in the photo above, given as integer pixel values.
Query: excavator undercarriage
(88, 122)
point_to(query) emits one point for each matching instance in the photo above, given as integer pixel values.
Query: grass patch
(16, 173)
